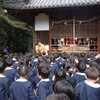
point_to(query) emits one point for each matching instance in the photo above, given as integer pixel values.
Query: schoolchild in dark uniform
(35, 81)
(98, 67)
(9, 71)
(79, 75)
(63, 60)
(15, 63)
(53, 66)
(59, 75)
(89, 89)
(37, 78)
(61, 96)
(35, 60)
(32, 73)
(4, 84)
(57, 58)
(33, 68)
(22, 89)
(44, 87)
(44, 55)
(65, 87)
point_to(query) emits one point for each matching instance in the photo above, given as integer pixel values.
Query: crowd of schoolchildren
(57, 76)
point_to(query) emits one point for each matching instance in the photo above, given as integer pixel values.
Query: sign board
(42, 22)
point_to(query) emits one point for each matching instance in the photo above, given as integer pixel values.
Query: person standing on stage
(41, 48)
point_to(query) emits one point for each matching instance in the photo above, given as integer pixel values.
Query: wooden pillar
(49, 41)
(74, 30)
(34, 39)
(99, 35)
(73, 33)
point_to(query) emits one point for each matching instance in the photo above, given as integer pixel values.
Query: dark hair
(60, 74)
(94, 63)
(81, 66)
(98, 60)
(23, 70)
(44, 70)
(64, 87)
(2, 67)
(36, 55)
(8, 62)
(92, 73)
(40, 60)
(44, 53)
(57, 97)
(52, 58)
(63, 55)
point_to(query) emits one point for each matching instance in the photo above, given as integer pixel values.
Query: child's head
(8, 62)
(92, 73)
(98, 60)
(44, 70)
(81, 67)
(64, 87)
(1, 67)
(23, 71)
(52, 58)
(94, 63)
(60, 74)
(63, 55)
(57, 97)
(43, 53)
(36, 55)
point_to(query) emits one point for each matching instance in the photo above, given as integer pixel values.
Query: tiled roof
(38, 4)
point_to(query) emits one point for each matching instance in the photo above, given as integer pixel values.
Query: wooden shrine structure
(67, 25)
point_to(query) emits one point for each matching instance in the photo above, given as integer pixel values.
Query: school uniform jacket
(76, 78)
(44, 88)
(15, 65)
(58, 60)
(87, 91)
(21, 89)
(61, 63)
(35, 81)
(10, 74)
(54, 67)
(4, 88)
(32, 73)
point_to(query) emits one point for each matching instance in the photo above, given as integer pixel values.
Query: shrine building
(67, 25)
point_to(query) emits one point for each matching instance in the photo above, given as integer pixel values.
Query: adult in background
(41, 48)
(5, 50)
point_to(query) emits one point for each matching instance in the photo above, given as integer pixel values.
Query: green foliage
(17, 35)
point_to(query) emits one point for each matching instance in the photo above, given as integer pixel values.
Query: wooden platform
(74, 49)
